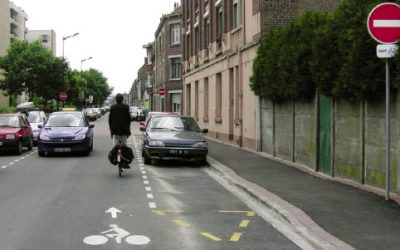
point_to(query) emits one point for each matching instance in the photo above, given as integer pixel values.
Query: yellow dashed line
(164, 212)
(250, 213)
(210, 236)
(235, 237)
(244, 223)
(181, 223)
(158, 212)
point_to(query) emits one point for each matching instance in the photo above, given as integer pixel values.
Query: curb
(296, 219)
(393, 197)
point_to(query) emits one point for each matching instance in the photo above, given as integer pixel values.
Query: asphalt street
(77, 202)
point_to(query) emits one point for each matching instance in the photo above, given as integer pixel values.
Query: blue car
(66, 132)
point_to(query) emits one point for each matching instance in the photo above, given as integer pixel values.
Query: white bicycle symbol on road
(118, 234)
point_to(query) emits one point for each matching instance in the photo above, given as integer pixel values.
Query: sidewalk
(362, 219)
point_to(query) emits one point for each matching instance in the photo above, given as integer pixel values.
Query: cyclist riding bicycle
(119, 121)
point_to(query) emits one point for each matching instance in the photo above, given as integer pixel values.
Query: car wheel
(203, 161)
(147, 160)
(30, 144)
(41, 153)
(91, 146)
(19, 148)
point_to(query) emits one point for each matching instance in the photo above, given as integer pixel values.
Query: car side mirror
(40, 126)
(91, 125)
(204, 131)
(143, 129)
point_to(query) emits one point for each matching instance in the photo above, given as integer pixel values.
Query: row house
(220, 44)
(221, 38)
(149, 76)
(138, 95)
(167, 88)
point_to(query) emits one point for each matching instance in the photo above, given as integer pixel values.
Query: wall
(290, 131)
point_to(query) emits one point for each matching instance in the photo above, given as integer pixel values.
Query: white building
(46, 37)
(17, 19)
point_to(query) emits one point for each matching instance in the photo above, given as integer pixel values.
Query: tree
(31, 67)
(96, 86)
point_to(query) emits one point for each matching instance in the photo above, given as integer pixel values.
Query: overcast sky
(112, 32)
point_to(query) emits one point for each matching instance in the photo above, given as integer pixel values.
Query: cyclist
(119, 121)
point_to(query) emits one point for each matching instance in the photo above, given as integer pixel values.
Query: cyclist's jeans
(120, 140)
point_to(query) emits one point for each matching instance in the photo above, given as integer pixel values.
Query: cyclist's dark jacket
(120, 119)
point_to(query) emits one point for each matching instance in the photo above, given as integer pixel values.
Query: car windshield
(65, 120)
(34, 117)
(9, 121)
(174, 123)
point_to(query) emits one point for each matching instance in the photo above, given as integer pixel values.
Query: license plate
(178, 152)
(62, 150)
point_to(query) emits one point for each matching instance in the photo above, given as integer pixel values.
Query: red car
(15, 132)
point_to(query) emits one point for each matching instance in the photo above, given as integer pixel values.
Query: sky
(111, 32)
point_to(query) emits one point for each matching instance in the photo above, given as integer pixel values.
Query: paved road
(78, 202)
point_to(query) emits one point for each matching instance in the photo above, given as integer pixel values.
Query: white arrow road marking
(386, 23)
(113, 211)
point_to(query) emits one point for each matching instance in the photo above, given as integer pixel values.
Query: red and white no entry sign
(161, 92)
(384, 23)
(63, 96)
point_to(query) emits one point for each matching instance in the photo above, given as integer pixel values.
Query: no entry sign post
(384, 26)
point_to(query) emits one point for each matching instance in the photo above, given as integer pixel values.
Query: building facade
(17, 21)
(149, 62)
(4, 40)
(167, 64)
(46, 37)
(220, 44)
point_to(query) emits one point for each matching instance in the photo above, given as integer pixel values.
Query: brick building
(167, 63)
(221, 38)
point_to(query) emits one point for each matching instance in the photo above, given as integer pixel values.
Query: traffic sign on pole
(63, 96)
(384, 23)
(161, 92)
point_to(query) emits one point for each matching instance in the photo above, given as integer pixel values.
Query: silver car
(35, 118)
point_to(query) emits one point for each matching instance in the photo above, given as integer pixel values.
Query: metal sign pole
(387, 131)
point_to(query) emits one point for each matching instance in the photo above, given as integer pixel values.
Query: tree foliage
(31, 67)
(331, 53)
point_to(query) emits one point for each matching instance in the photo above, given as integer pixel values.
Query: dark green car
(174, 138)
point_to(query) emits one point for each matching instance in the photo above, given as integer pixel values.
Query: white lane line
(11, 163)
(17, 160)
(152, 205)
(144, 177)
(142, 168)
(3, 167)
(148, 189)
(143, 172)
(150, 196)
(146, 182)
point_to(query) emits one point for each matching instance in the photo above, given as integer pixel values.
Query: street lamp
(65, 38)
(84, 60)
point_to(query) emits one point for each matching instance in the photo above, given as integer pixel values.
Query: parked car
(90, 114)
(15, 132)
(36, 118)
(144, 123)
(97, 111)
(66, 132)
(174, 138)
(136, 113)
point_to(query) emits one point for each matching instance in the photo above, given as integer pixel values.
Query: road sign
(63, 96)
(386, 50)
(384, 23)
(161, 92)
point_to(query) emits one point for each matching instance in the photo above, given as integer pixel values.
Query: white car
(36, 118)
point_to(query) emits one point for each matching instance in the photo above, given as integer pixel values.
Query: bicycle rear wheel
(120, 169)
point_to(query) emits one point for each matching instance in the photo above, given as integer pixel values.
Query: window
(175, 33)
(196, 100)
(45, 38)
(205, 100)
(218, 98)
(196, 40)
(175, 67)
(237, 13)
(220, 23)
(207, 32)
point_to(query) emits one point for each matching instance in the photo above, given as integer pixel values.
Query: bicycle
(121, 162)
